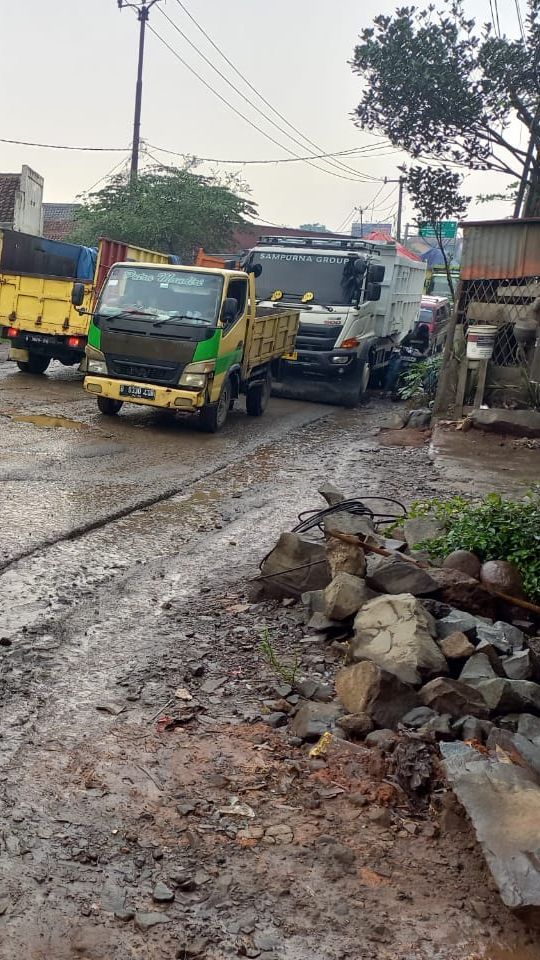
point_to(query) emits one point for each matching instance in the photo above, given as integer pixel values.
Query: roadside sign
(446, 229)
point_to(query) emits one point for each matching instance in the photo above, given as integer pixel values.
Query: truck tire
(212, 417)
(34, 364)
(108, 406)
(357, 388)
(257, 398)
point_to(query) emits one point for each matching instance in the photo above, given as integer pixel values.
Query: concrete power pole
(401, 188)
(142, 10)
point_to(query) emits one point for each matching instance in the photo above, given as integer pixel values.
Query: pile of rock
(415, 663)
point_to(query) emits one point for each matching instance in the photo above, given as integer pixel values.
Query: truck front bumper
(169, 397)
(334, 364)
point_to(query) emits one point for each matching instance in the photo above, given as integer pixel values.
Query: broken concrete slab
(507, 696)
(457, 646)
(295, 566)
(503, 803)
(513, 423)
(454, 697)
(365, 688)
(396, 632)
(344, 596)
(397, 575)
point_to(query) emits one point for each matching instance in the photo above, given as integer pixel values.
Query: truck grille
(164, 373)
(318, 337)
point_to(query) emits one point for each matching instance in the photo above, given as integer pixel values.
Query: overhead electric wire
(61, 146)
(186, 156)
(110, 173)
(243, 116)
(520, 20)
(246, 99)
(254, 89)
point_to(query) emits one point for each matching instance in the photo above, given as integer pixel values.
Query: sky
(69, 67)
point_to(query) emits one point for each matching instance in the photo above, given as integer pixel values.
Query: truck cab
(357, 300)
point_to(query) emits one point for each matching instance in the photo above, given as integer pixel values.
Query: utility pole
(401, 187)
(142, 10)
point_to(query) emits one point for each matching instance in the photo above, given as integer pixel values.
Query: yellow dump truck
(186, 338)
(36, 280)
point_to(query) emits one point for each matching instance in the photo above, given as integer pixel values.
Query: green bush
(420, 381)
(493, 528)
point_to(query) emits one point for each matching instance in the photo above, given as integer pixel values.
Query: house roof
(9, 185)
(58, 220)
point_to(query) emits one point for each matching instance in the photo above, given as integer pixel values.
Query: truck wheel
(109, 407)
(34, 364)
(358, 387)
(257, 398)
(213, 416)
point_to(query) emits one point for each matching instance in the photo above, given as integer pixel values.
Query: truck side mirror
(77, 294)
(229, 311)
(256, 270)
(375, 273)
(373, 292)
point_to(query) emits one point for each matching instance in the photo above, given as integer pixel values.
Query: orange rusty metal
(500, 249)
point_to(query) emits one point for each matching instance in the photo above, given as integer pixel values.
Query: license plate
(141, 393)
(38, 338)
(291, 356)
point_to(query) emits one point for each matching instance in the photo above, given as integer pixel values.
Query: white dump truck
(358, 299)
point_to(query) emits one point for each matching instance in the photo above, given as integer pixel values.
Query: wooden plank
(480, 383)
(461, 387)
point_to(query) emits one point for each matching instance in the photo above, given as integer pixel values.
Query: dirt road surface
(125, 550)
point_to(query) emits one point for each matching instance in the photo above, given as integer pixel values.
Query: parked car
(432, 323)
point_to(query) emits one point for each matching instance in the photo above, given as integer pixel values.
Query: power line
(110, 173)
(243, 116)
(58, 146)
(339, 153)
(253, 88)
(520, 20)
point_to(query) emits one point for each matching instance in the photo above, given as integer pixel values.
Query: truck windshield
(182, 296)
(329, 277)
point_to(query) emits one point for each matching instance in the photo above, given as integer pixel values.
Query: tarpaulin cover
(381, 237)
(87, 262)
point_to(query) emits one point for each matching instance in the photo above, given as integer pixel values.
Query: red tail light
(74, 341)
(12, 332)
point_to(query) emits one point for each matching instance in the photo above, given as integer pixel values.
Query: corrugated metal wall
(500, 249)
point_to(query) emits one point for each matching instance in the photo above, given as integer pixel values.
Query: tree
(435, 194)
(314, 227)
(440, 87)
(172, 210)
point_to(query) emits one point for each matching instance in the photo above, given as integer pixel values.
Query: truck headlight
(195, 380)
(340, 361)
(96, 366)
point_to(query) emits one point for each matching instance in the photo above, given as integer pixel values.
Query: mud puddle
(46, 421)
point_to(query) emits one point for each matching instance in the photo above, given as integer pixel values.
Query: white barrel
(480, 341)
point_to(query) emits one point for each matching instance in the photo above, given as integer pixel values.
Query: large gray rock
(477, 669)
(471, 728)
(397, 575)
(518, 666)
(458, 620)
(345, 558)
(514, 423)
(503, 636)
(421, 529)
(465, 561)
(314, 719)
(463, 592)
(503, 803)
(396, 632)
(331, 494)
(507, 696)
(365, 688)
(416, 718)
(344, 522)
(454, 697)
(295, 566)
(529, 726)
(345, 595)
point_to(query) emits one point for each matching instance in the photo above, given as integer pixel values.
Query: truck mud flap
(314, 391)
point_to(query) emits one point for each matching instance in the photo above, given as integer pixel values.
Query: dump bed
(36, 279)
(271, 334)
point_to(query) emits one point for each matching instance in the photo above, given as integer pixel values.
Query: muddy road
(126, 546)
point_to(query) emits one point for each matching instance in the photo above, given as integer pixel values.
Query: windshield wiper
(123, 315)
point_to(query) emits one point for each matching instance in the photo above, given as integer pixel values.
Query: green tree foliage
(441, 86)
(493, 528)
(175, 211)
(435, 193)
